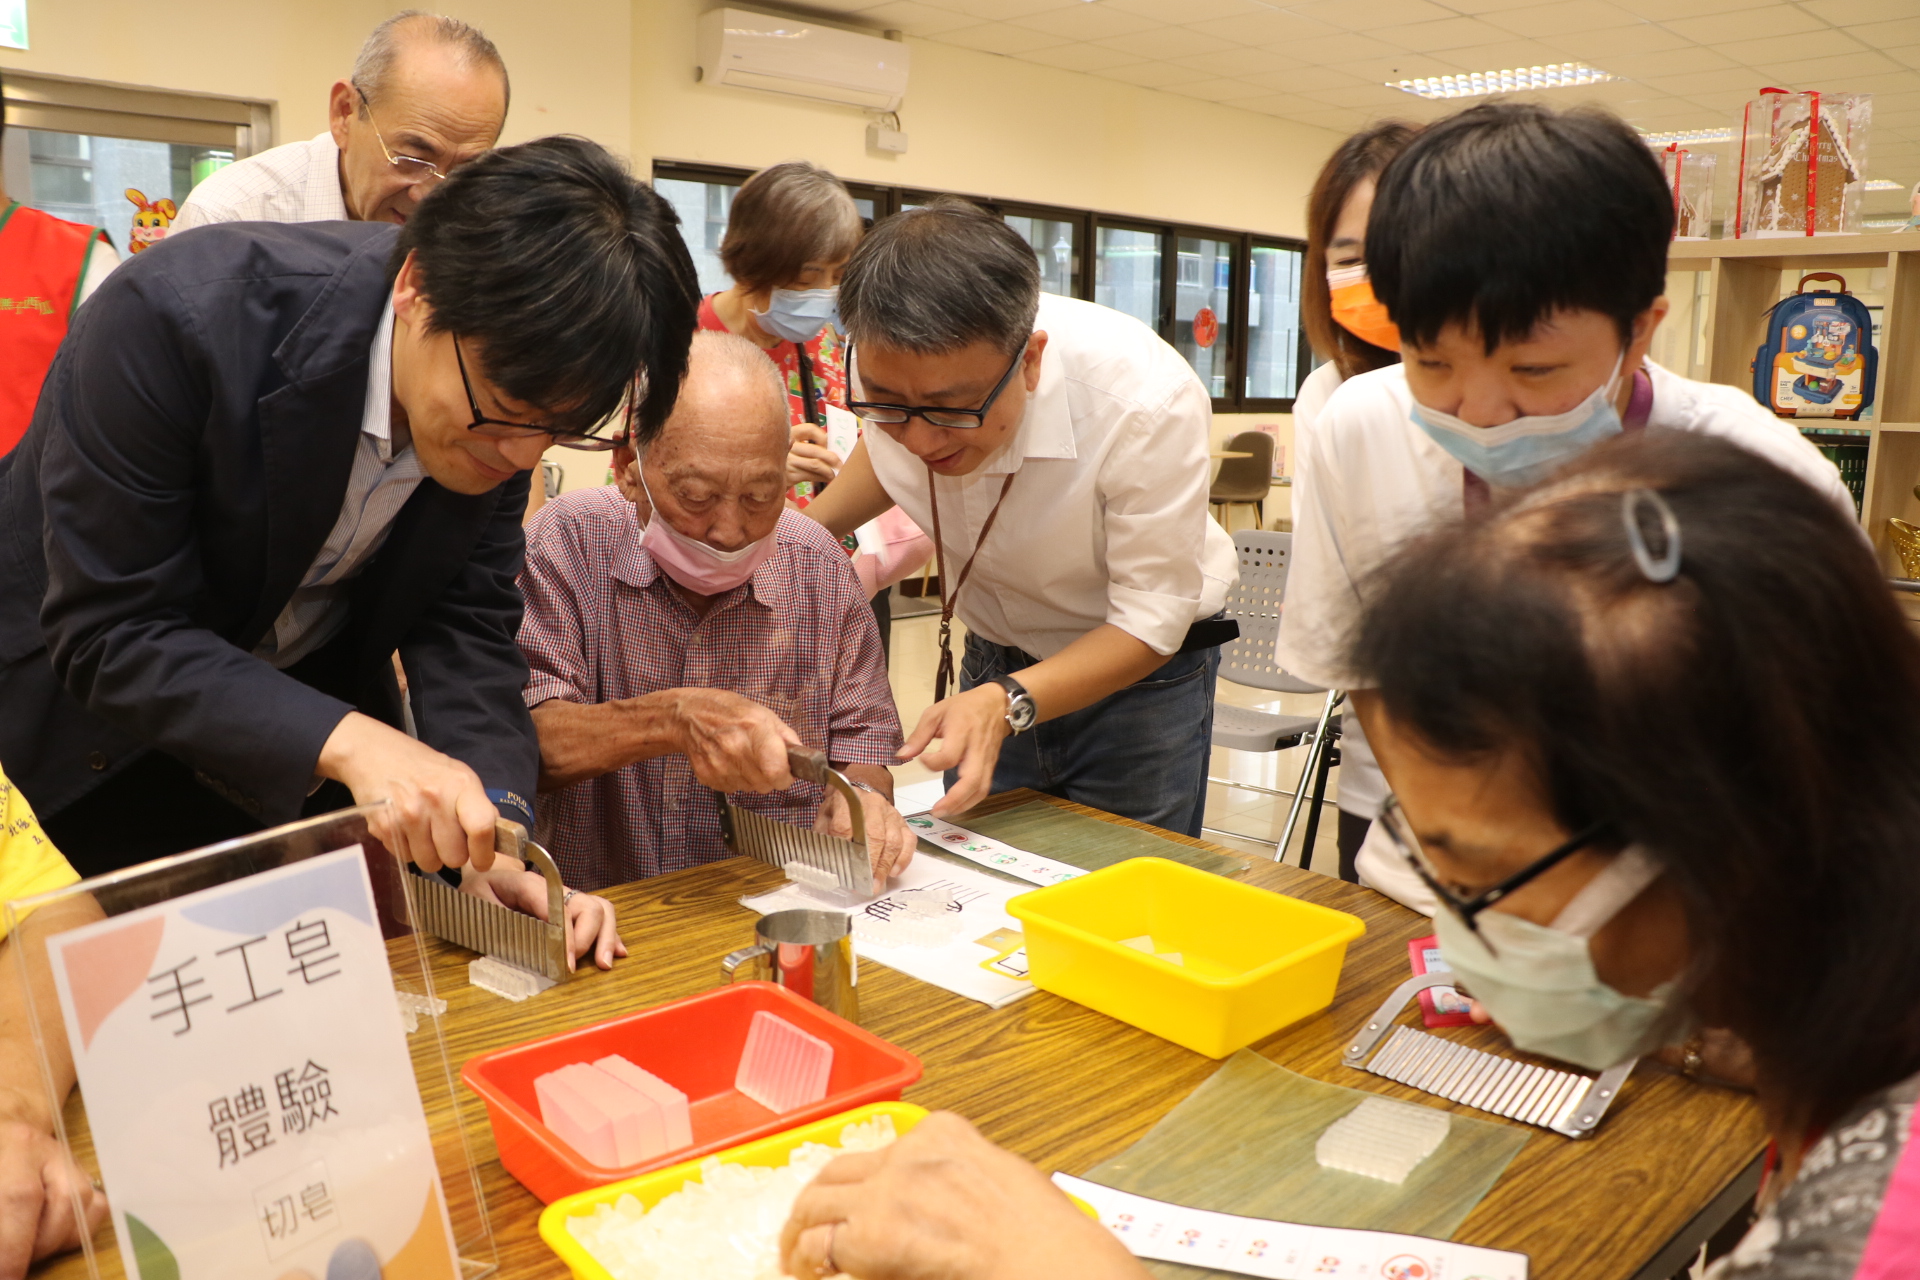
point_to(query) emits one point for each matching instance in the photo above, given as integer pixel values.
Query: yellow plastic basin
(651, 1188)
(1253, 961)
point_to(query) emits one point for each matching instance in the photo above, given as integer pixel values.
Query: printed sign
(248, 1084)
(13, 24)
(988, 852)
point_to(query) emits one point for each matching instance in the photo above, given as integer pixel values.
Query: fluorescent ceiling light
(1686, 136)
(1882, 184)
(1474, 84)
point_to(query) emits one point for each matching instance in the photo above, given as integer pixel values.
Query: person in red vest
(48, 266)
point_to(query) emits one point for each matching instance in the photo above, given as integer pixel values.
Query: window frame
(889, 200)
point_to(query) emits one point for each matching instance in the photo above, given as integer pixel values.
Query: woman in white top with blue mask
(1522, 256)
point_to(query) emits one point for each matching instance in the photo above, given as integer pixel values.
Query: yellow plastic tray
(1254, 961)
(651, 1188)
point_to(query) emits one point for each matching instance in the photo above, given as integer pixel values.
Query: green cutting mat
(1080, 841)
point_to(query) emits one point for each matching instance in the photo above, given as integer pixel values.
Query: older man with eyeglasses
(427, 94)
(267, 458)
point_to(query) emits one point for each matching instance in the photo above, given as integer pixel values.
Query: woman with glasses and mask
(1056, 451)
(1657, 772)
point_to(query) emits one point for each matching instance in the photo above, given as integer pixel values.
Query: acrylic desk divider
(230, 960)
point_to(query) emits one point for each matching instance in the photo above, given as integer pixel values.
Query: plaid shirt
(603, 623)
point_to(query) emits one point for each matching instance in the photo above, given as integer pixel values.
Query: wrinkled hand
(969, 727)
(808, 457)
(943, 1203)
(591, 924)
(37, 1182)
(890, 841)
(437, 810)
(733, 743)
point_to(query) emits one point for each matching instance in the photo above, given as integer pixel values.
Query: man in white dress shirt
(1523, 256)
(1065, 446)
(427, 94)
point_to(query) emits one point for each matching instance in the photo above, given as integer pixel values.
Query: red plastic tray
(694, 1045)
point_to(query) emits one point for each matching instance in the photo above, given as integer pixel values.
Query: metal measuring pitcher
(810, 953)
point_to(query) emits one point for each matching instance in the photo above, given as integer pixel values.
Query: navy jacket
(187, 459)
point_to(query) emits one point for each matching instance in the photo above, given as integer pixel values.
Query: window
(1228, 301)
(94, 179)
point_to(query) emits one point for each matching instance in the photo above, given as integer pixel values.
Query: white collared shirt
(380, 484)
(297, 182)
(1369, 480)
(1107, 517)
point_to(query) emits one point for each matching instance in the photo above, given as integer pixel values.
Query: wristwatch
(1021, 713)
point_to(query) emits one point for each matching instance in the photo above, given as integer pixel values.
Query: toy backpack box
(1817, 359)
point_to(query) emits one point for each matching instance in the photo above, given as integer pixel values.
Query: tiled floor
(1255, 818)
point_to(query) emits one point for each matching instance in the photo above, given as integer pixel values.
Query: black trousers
(1353, 834)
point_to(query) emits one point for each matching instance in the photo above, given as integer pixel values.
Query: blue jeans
(1141, 753)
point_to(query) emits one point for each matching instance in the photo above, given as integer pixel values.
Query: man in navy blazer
(269, 456)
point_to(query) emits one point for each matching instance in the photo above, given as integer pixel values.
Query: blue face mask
(798, 315)
(1528, 449)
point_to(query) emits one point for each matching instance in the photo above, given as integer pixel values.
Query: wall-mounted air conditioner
(802, 59)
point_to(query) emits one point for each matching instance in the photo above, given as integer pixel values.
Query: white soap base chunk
(1382, 1139)
(412, 1005)
(903, 930)
(783, 1068)
(491, 973)
(723, 1225)
(926, 904)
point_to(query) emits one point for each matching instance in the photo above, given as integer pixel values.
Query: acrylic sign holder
(157, 882)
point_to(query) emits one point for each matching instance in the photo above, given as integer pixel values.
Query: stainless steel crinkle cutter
(778, 843)
(494, 930)
(1566, 1102)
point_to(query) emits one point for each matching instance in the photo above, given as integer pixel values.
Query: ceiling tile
(1846, 13)
(1882, 35)
(1267, 27)
(1305, 80)
(1001, 10)
(1373, 14)
(1277, 104)
(1188, 11)
(1671, 62)
(999, 37)
(1562, 18)
(1662, 10)
(1326, 50)
(1236, 62)
(1504, 54)
(1079, 57)
(840, 6)
(1338, 119)
(917, 19)
(1693, 83)
(1087, 22)
(1404, 66)
(1910, 55)
(1373, 96)
(1897, 87)
(1790, 49)
(1745, 24)
(1834, 73)
(1167, 42)
(1448, 33)
(1600, 48)
(1153, 75)
(1222, 90)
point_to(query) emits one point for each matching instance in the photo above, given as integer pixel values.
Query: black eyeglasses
(893, 415)
(1394, 820)
(412, 169)
(497, 429)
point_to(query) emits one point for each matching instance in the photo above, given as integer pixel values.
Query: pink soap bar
(675, 1116)
(575, 1120)
(638, 1131)
(783, 1068)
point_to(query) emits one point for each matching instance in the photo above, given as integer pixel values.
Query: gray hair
(385, 43)
(939, 278)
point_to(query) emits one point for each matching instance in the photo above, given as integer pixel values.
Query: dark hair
(1499, 216)
(785, 217)
(1360, 157)
(939, 278)
(1750, 723)
(568, 274)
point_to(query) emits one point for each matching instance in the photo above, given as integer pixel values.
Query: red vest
(41, 262)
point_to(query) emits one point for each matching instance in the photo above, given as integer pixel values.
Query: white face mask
(1531, 448)
(1538, 981)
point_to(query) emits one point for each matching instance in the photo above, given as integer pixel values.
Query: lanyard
(948, 599)
(809, 397)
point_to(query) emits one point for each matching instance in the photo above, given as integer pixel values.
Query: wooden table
(1067, 1087)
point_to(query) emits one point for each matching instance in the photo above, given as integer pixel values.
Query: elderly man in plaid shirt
(683, 627)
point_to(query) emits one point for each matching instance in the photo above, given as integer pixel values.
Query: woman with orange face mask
(1351, 332)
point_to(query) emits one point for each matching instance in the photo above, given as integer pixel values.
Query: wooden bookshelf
(1746, 277)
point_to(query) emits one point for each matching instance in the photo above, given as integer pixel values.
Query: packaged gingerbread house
(1690, 178)
(1803, 163)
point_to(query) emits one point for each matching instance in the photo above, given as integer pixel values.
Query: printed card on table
(248, 1084)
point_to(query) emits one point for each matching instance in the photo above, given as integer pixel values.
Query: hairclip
(1666, 566)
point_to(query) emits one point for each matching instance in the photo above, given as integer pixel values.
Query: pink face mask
(693, 564)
